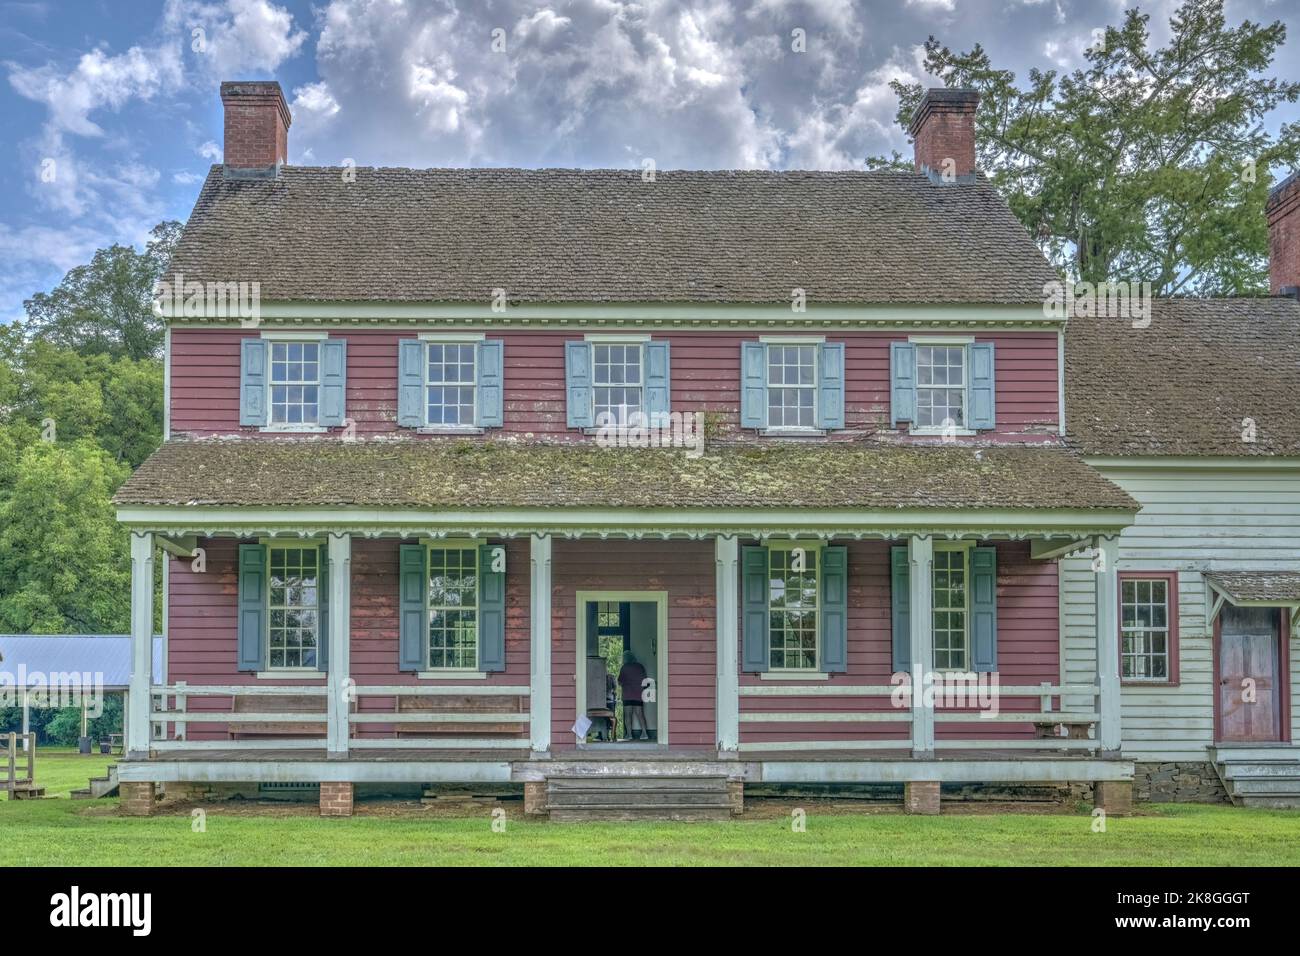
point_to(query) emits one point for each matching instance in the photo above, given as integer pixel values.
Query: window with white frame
(294, 607)
(617, 382)
(450, 380)
(792, 608)
(951, 610)
(940, 386)
(453, 608)
(1144, 629)
(295, 383)
(791, 386)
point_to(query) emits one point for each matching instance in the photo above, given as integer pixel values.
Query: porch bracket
(539, 624)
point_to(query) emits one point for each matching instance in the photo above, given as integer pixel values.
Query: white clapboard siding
(1192, 520)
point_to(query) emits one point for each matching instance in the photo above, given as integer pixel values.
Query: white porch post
(920, 553)
(338, 680)
(27, 718)
(1105, 563)
(539, 643)
(726, 554)
(139, 699)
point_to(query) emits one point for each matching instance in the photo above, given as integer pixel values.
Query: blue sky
(109, 113)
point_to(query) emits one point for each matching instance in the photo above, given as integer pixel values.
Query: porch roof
(1257, 587)
(466, 475)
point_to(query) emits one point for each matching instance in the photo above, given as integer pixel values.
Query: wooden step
(1270, 802)
(631, 814)
(599, 796)
(26, 793)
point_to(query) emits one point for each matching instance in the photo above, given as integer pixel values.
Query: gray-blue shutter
(252, 588)
(982, 391)
(830, 386)
(252, 382)
(755, 655)
(491, 612)
(900, 600)
(577, 385)
(753, 385)
(323, 608)
(835, 609)
(412, 578)
(902, 383)
(410, 383)
(490, 408)
(658, 382)
(333, 381)
(984, 609)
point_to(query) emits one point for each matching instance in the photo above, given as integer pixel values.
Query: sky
(110, 114)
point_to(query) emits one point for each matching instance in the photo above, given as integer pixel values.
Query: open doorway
(622, 676)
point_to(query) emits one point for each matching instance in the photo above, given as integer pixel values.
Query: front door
(1249, 699)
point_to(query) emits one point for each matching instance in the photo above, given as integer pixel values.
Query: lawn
(67, 832)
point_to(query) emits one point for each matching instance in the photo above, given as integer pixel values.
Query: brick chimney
(1283, 212)
(257, 128)
(943, 129)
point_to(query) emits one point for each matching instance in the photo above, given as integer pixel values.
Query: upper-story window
(450, 384)
(617, 380)
(941, 386)
(792, 385)
(295, 383)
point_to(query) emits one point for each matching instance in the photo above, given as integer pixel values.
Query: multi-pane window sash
(1144, 629)
(294, 607)
(450, 379)
(940, 386)
(617, 380)
(793, 605)
(791, 386)
(453, 608)
(951, 615)
(295, 383)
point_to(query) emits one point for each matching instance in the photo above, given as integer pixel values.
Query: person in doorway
(631, 678)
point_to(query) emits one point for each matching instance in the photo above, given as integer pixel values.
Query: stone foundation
(137, 798)
(1180, 782)
(336, 799)
(921, 796)
(1113, 796)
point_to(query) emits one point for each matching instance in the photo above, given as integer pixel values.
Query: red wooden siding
(705, 377)
(685, 569)
(1027, 654)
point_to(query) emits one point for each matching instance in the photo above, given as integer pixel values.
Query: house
(408, 530)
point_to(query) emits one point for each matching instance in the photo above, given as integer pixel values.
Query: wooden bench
(277, 704)
(460, 705)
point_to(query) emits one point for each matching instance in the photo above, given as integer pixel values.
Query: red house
(445, 448)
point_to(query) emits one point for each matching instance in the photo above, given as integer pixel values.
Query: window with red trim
(1148, 627)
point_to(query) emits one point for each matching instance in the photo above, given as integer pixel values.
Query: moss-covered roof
(431, 473)
(1258, 586)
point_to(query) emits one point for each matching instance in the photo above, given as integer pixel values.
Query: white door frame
(660, 600)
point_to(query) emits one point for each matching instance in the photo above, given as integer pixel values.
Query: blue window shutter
(252, 590)
(900, 595)
(413, 578)
(577, 385)
(490, 409)
(835, 609)
(754, 602)
(753, 385)
(323, 609)
(830, 386)
(252, 382)
(658, 381)
(410, 383)
(491, 612)
(984, 609)
(902, 383)
(333, 381)
(982, 413)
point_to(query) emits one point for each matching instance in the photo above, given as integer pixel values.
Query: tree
(106, 306)
(1148, 164)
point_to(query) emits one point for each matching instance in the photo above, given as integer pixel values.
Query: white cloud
(235, 36)
(186, 178)
(210, 150)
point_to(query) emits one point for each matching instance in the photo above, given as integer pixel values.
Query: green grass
(66, 832)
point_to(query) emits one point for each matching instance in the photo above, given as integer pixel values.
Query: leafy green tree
(106, 306)
(1149, 164)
